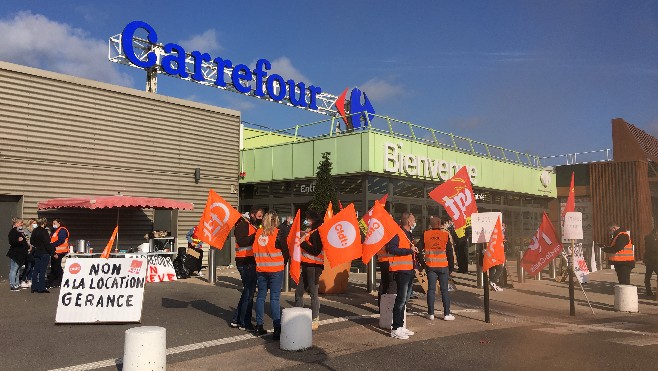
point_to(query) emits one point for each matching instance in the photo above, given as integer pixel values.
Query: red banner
(543, 249)
(495, 253)
(340, 236)
(294, 242)
(456, 196)
(571, 200)
(381, 228)
(217, 220)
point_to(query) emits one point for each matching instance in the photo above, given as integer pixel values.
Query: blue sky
(544, 77)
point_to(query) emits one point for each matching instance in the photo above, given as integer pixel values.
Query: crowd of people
(32, 248)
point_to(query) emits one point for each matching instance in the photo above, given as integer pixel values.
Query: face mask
(307, 223)
(413, 226)
(55, 226)
(20, 228)
(34, 225)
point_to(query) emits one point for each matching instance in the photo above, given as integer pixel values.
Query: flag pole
(487, 318)
(572, 304)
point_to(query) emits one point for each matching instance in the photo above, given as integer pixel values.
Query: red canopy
(100, 202)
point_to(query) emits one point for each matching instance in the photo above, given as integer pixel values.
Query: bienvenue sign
(102, 290)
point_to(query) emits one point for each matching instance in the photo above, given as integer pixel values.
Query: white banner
(102, 290)
(161, 269)
(483, 224)
(573, 226)
(579, 265)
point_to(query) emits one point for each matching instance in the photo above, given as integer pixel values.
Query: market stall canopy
(100, 202)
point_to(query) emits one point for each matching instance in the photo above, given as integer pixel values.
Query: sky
(544, 77)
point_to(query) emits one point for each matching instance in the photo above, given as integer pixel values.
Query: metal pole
(551, 269)
(519, 268)
(599, 257)
(480, 279)
(212, 268)
(572, 303)
(372, 278)
(487, 319)
(286, 278)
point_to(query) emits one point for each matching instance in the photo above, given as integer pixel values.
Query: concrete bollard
(296, 332)
(386, 311)
(626, 298)
(145, 348)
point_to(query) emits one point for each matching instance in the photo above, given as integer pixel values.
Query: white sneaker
(399, 334)
(408, 332)
(25, 285)
(449, 317)
(495, 287)
(430, 317)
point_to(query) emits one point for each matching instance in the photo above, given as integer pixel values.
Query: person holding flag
(245, 233)
(312, 264)
(439, 259)
(401, 264)
(270, 252)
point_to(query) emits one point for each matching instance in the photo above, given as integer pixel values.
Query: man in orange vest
(401, 265)
(621, 255)
(245, 233)
(439, 259)
(59, 241)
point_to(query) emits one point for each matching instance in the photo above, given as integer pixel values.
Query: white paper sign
(102, 290)
(483, 224)
(161, 269)
(573, 226)
(579, 265)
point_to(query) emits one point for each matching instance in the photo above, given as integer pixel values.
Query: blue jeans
(13, 274)
(39, 272)
(271, 281)
(26, 275)
(442, 274)
(403, 279)
(242, 315)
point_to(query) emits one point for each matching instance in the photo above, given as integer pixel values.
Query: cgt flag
(108, 247)
(217, 220)
(381, 228)
(340, 236)
(495, 253)
(543, 249)
(294, 242)
(456, 196)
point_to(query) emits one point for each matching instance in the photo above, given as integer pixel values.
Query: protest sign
(482, 224)
(573, 226)
(160, 269)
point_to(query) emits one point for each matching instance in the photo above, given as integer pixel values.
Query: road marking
(639, 341)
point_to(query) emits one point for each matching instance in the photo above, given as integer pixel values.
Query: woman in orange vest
(59, 240)
(270, 252)
(440, 264)
(621, 253)
(312, 265)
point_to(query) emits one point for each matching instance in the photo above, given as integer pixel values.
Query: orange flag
(294, 242)
(340, 236)
(329, 213)
(456, 196)
(570, 206)
(381, 228)
(495, 252)
(110, 243)
(363, 223)
(217, 220)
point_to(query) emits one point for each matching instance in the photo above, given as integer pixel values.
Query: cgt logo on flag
(135, 267)
(342, 235)
(219, 214)
(456, 196)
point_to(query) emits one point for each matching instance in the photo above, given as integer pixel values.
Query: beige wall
(62, 136)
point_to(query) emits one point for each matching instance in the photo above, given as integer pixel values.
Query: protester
(270, 252)
(650, 259)
(18, 251)
(312, 264)
(245, 232)
(385, 284)
(59, 241)
(439, 259)
(26, 274)
(621, 255)
(401, 264)
(43, 250)
(461, 247)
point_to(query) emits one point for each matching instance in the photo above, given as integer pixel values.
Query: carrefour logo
(354, 112)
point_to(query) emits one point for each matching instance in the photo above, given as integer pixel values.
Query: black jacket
(243, 238)
(313, 246)
(18, 250)
(40, 240)
(622, 241)
(651, 251)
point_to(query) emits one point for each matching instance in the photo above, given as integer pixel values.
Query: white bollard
(386, 311)
(626, 298)
(296, 332)
(145, 348)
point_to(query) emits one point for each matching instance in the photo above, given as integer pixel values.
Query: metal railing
(600, 155)
(404, 130)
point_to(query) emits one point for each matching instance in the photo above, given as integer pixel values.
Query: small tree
(325, 189)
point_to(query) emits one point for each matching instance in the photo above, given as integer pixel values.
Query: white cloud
(381, 90)
(283, 67)
(205, 42)
(34, 40)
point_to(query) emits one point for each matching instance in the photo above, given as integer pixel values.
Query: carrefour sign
(256, 82)
(398, 162)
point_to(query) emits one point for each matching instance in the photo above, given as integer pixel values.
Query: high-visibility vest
(625, 254)
(312, 259)
(64, 247)
(404, 262)
(383, 256)
(268, 257)
(245, 251)
(436, 241)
